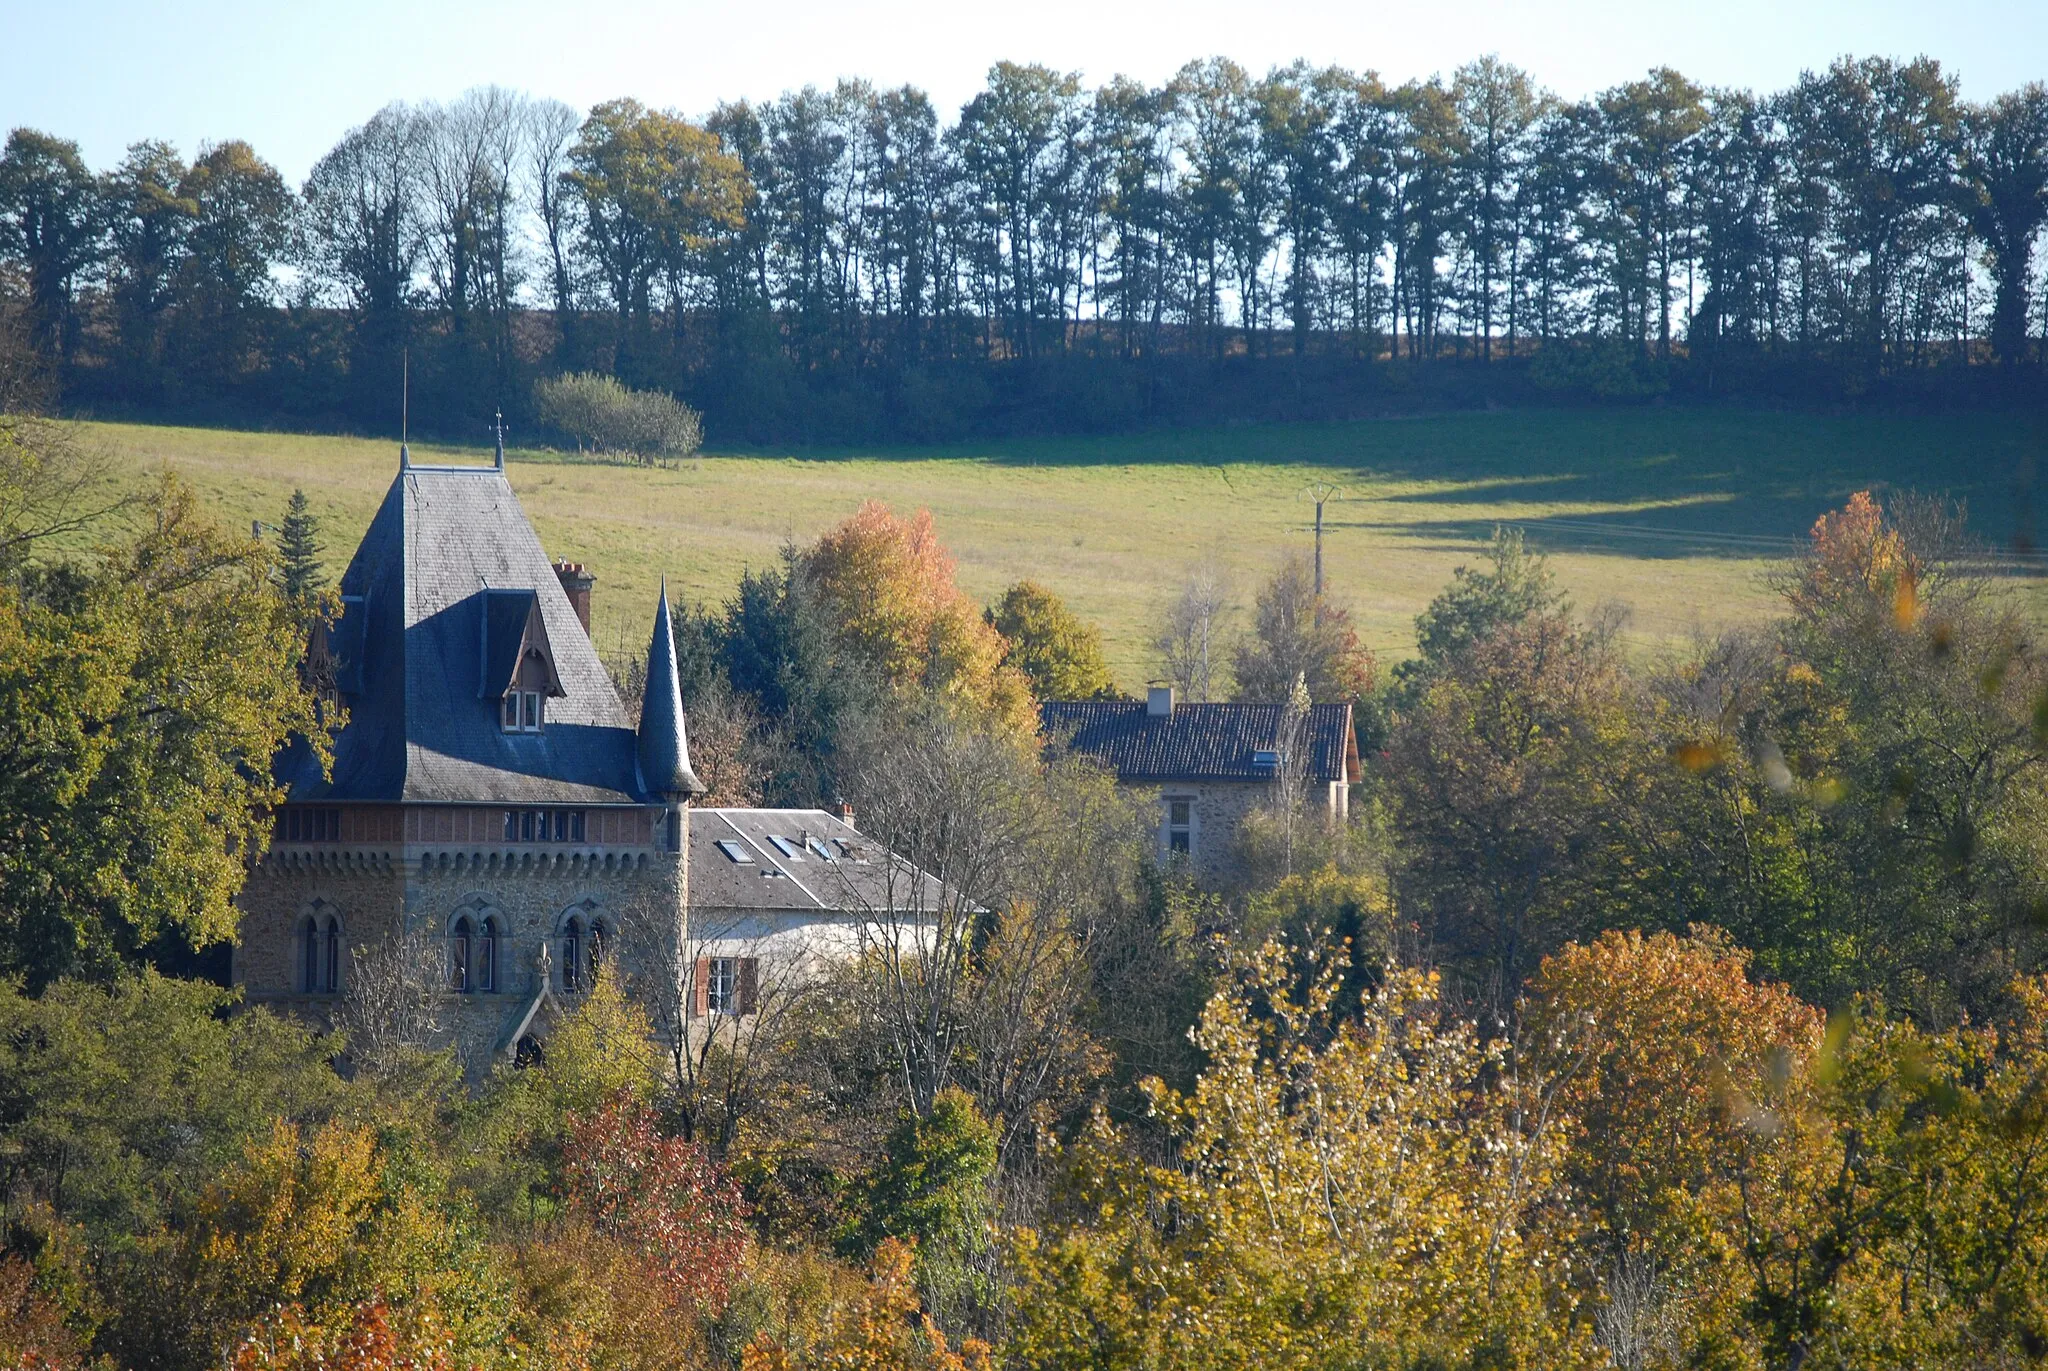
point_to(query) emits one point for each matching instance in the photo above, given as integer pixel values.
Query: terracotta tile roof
(1197, 742)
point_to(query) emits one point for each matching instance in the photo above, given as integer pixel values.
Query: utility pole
(1320, 492)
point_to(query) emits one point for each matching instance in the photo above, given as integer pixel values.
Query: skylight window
(734, 851)
(786, 847)
(1266, 760)
(817, 845)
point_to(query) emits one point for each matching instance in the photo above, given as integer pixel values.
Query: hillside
(1674, 512)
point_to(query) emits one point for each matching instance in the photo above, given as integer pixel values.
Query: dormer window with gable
(518, 663)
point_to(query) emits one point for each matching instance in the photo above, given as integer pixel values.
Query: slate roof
(1198, 742)
(416, 627)
(853, 873)
(663, 748)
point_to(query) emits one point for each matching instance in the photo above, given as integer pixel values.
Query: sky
(291, 76)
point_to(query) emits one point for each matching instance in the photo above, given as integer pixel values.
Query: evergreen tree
(298, 551)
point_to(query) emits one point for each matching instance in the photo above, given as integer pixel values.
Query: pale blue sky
(291, 77)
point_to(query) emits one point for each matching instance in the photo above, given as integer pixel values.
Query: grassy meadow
(1676, 513)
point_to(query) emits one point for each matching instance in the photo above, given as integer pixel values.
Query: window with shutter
(700, 987)
(747, 998)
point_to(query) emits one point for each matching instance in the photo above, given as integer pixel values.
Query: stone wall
(1220, 809)
(635, 899)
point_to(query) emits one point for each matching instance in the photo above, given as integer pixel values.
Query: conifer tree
(298, 550)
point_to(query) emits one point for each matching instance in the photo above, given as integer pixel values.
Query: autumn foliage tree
(886, 585)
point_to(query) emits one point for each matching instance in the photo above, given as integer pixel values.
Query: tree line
(848, 263)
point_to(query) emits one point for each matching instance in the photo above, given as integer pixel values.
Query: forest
(852, 264)
(1687, 1011)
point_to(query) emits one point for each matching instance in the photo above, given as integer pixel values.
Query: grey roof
(1198, 742)
(663, 749)
(416, 640)
(852, 874)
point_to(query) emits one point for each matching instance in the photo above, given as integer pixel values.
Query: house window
(331, 982)
(1180, 826)
(544, 825)
(458, 956)
(728, 985)
(309, 824)
(521, 711)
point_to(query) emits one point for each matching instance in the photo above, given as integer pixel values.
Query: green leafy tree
(142, 696)
(1057, 650)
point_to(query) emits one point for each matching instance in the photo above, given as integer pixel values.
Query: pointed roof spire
(664, 752)
(404, 407)
(501, 440)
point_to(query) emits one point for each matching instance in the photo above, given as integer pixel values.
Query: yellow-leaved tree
(1365, 1188)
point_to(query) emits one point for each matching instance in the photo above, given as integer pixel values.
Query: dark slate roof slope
(418, 729)
(820, 865)
(1197, 742)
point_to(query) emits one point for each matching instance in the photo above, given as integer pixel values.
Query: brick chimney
(576, 583)
(843, 812)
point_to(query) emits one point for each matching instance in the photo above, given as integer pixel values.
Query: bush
(596, 411)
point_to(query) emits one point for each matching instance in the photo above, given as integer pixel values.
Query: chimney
(843, 812)
(576, 583)
(1159, 702)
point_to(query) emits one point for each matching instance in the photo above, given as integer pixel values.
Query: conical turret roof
(664, 752)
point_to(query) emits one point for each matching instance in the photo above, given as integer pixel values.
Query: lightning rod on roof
(501, 439)
(404, 406)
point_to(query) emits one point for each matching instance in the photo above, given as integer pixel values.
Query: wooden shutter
(700, 989)
(750, 984)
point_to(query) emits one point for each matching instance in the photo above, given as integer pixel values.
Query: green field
(1674, 512)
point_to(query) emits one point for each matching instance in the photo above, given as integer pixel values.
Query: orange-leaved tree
(888, 589)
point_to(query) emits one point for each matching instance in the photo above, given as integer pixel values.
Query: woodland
(854, 264)
(1681, 1013)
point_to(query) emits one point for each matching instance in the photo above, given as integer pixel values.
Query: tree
(1355, 1184)
(140, 697)
(1504, 770)
(362, 238)
(655, 191)
(1298, 635)
(241, 221)
(1477, 603)
(1059, 653)
(886, 588)
(298, 552)
(1188, 644)
(50, 223)
(2005, 165)
(148, 220)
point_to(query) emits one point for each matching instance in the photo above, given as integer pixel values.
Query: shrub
(596, 411)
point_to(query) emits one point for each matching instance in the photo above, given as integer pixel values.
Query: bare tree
(550, 127)
(392, 1008)
(975, 934)
(1189, 643)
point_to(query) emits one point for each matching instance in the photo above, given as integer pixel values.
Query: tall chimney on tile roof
(576, 584)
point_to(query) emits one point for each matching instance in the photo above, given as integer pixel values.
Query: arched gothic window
(572, 954)
(309, 956)
(487, 956)
(331, 982)
(458, 955)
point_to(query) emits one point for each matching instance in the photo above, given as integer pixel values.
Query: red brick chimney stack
(576, 583)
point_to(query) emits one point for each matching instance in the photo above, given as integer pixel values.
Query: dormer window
(518, 664)
(522, 710)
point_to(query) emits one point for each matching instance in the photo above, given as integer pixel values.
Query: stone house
(491, 801)
(1211, 764)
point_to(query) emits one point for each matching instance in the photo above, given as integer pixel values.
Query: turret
(664, 753)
